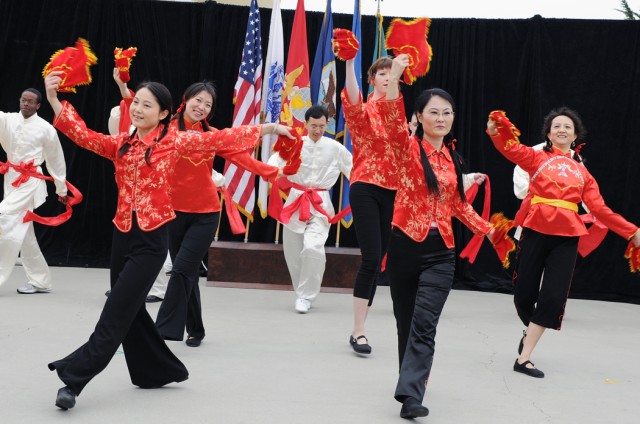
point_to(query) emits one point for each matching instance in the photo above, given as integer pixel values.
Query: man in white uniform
(303, 240)
(28, 141)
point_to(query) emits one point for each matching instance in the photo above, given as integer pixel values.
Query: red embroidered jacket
(415, 207)
(556, 176)
(193, 190)
(145, 189)
(373, 157)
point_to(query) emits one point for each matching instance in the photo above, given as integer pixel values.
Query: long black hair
(430, 176)
(192, 91)
(578, 128)
(163, 97)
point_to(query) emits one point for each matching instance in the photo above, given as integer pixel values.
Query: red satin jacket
(145, 189)
(415, 207)
(556, 176)
(193, 190)
(373, 156)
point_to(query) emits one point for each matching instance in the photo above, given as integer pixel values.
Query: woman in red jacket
(373, 187)
(550, 221)
(197, 206)
(144, 162)
(421, 255)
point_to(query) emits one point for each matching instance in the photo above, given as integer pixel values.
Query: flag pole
(219, 218)
(277, 240)
(246, 233)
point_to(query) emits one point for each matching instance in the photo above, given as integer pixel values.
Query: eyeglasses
(30, 102)
(314, 127)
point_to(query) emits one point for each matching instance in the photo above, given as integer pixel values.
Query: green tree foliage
(628, 13)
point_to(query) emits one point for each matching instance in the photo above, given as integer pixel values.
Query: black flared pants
(190, 236)
(136, 258)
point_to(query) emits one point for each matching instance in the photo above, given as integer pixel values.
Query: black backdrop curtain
(523, 66)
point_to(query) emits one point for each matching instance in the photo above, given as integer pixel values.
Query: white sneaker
(29, 288)
(302, 305)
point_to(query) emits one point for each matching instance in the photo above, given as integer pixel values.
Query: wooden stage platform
(262, 265)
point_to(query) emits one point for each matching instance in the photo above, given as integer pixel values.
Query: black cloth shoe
(360, 348)
(66, 399)
(193, 342)
(411, 408)
(153, 299)
(521, 345)
(531, 372)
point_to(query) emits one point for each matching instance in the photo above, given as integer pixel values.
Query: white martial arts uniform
(303, 242)
(24, 140)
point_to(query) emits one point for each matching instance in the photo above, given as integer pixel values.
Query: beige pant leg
(310, 263)
(12, 234)
(33, 262)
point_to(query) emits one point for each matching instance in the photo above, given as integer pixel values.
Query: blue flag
(342, 130)
(323, 73)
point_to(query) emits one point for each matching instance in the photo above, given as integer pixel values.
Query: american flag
(271, 94)
(247, 94)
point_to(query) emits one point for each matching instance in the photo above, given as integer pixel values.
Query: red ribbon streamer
(235, 220)
(473, 247)
(28, 170)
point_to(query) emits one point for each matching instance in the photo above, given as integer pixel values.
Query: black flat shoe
(411, 408)
(66, 399)
(193, 342)
(531, 372)
(521, 345)
(360, 348)
(153, 299)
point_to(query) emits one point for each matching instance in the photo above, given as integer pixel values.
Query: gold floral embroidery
(145, 188)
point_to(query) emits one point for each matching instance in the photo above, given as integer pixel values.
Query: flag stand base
(262, 265)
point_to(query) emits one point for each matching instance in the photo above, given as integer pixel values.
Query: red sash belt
(28, 170)
(308, 198)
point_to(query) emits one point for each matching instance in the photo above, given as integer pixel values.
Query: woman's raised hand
(51, 84)
(491, 127)
(398, 65)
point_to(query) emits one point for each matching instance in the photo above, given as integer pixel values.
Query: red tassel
(502, 243)
(633, 255)
(344, 43)
(509, 132)
(289, 150)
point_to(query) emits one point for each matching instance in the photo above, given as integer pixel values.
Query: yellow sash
(558, 203)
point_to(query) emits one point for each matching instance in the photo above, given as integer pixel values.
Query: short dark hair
(316, 112)
(578, 128)
(36, 92)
